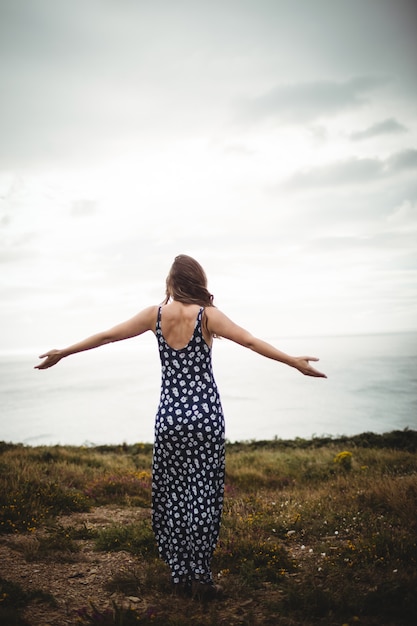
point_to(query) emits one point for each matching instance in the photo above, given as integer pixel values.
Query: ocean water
(110, 395)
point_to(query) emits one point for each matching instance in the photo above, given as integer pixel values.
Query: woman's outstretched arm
(219, 324)
(137, 325)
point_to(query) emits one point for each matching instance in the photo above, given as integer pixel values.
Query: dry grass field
(320, 531)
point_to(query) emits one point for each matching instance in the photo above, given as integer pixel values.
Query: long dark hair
(187, 282)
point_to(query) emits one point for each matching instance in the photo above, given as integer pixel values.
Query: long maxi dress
(188, 459)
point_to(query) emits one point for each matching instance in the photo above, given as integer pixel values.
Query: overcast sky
(275, 141)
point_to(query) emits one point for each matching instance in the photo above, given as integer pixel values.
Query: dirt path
(74, 580)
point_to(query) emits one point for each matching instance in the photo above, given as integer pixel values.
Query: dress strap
(158, 319)
(199, 322)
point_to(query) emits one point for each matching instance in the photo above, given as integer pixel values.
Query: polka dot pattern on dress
(189, 459)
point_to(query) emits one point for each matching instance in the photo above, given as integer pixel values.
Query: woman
(188, 458)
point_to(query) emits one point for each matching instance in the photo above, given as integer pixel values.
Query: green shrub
(136, 538)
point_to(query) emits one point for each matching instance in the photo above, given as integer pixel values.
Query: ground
(78, 580)
(75, 582)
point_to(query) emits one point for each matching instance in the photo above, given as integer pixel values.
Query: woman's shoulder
(213, 312)
(149, 314)
(220, 324)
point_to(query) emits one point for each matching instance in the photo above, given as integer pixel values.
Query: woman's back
(178, 323)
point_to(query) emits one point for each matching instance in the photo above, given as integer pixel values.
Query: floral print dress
(188, 459)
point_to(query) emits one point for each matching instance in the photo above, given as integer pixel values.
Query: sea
(110, 395)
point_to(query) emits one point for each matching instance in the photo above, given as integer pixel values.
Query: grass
(135, 538)
(320, 531)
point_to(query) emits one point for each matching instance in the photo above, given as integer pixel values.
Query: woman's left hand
(303, 366)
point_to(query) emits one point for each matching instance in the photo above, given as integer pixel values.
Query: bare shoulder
(215, 314)
(140, 323)
(150, 315)
(221, 325)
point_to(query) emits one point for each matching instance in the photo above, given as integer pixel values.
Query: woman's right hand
(52, 357)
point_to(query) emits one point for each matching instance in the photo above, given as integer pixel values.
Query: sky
(275, 141)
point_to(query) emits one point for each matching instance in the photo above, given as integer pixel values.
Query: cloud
(351, 171)
(388, 126)
(404, 218)
(308, 102)
(404, 160)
